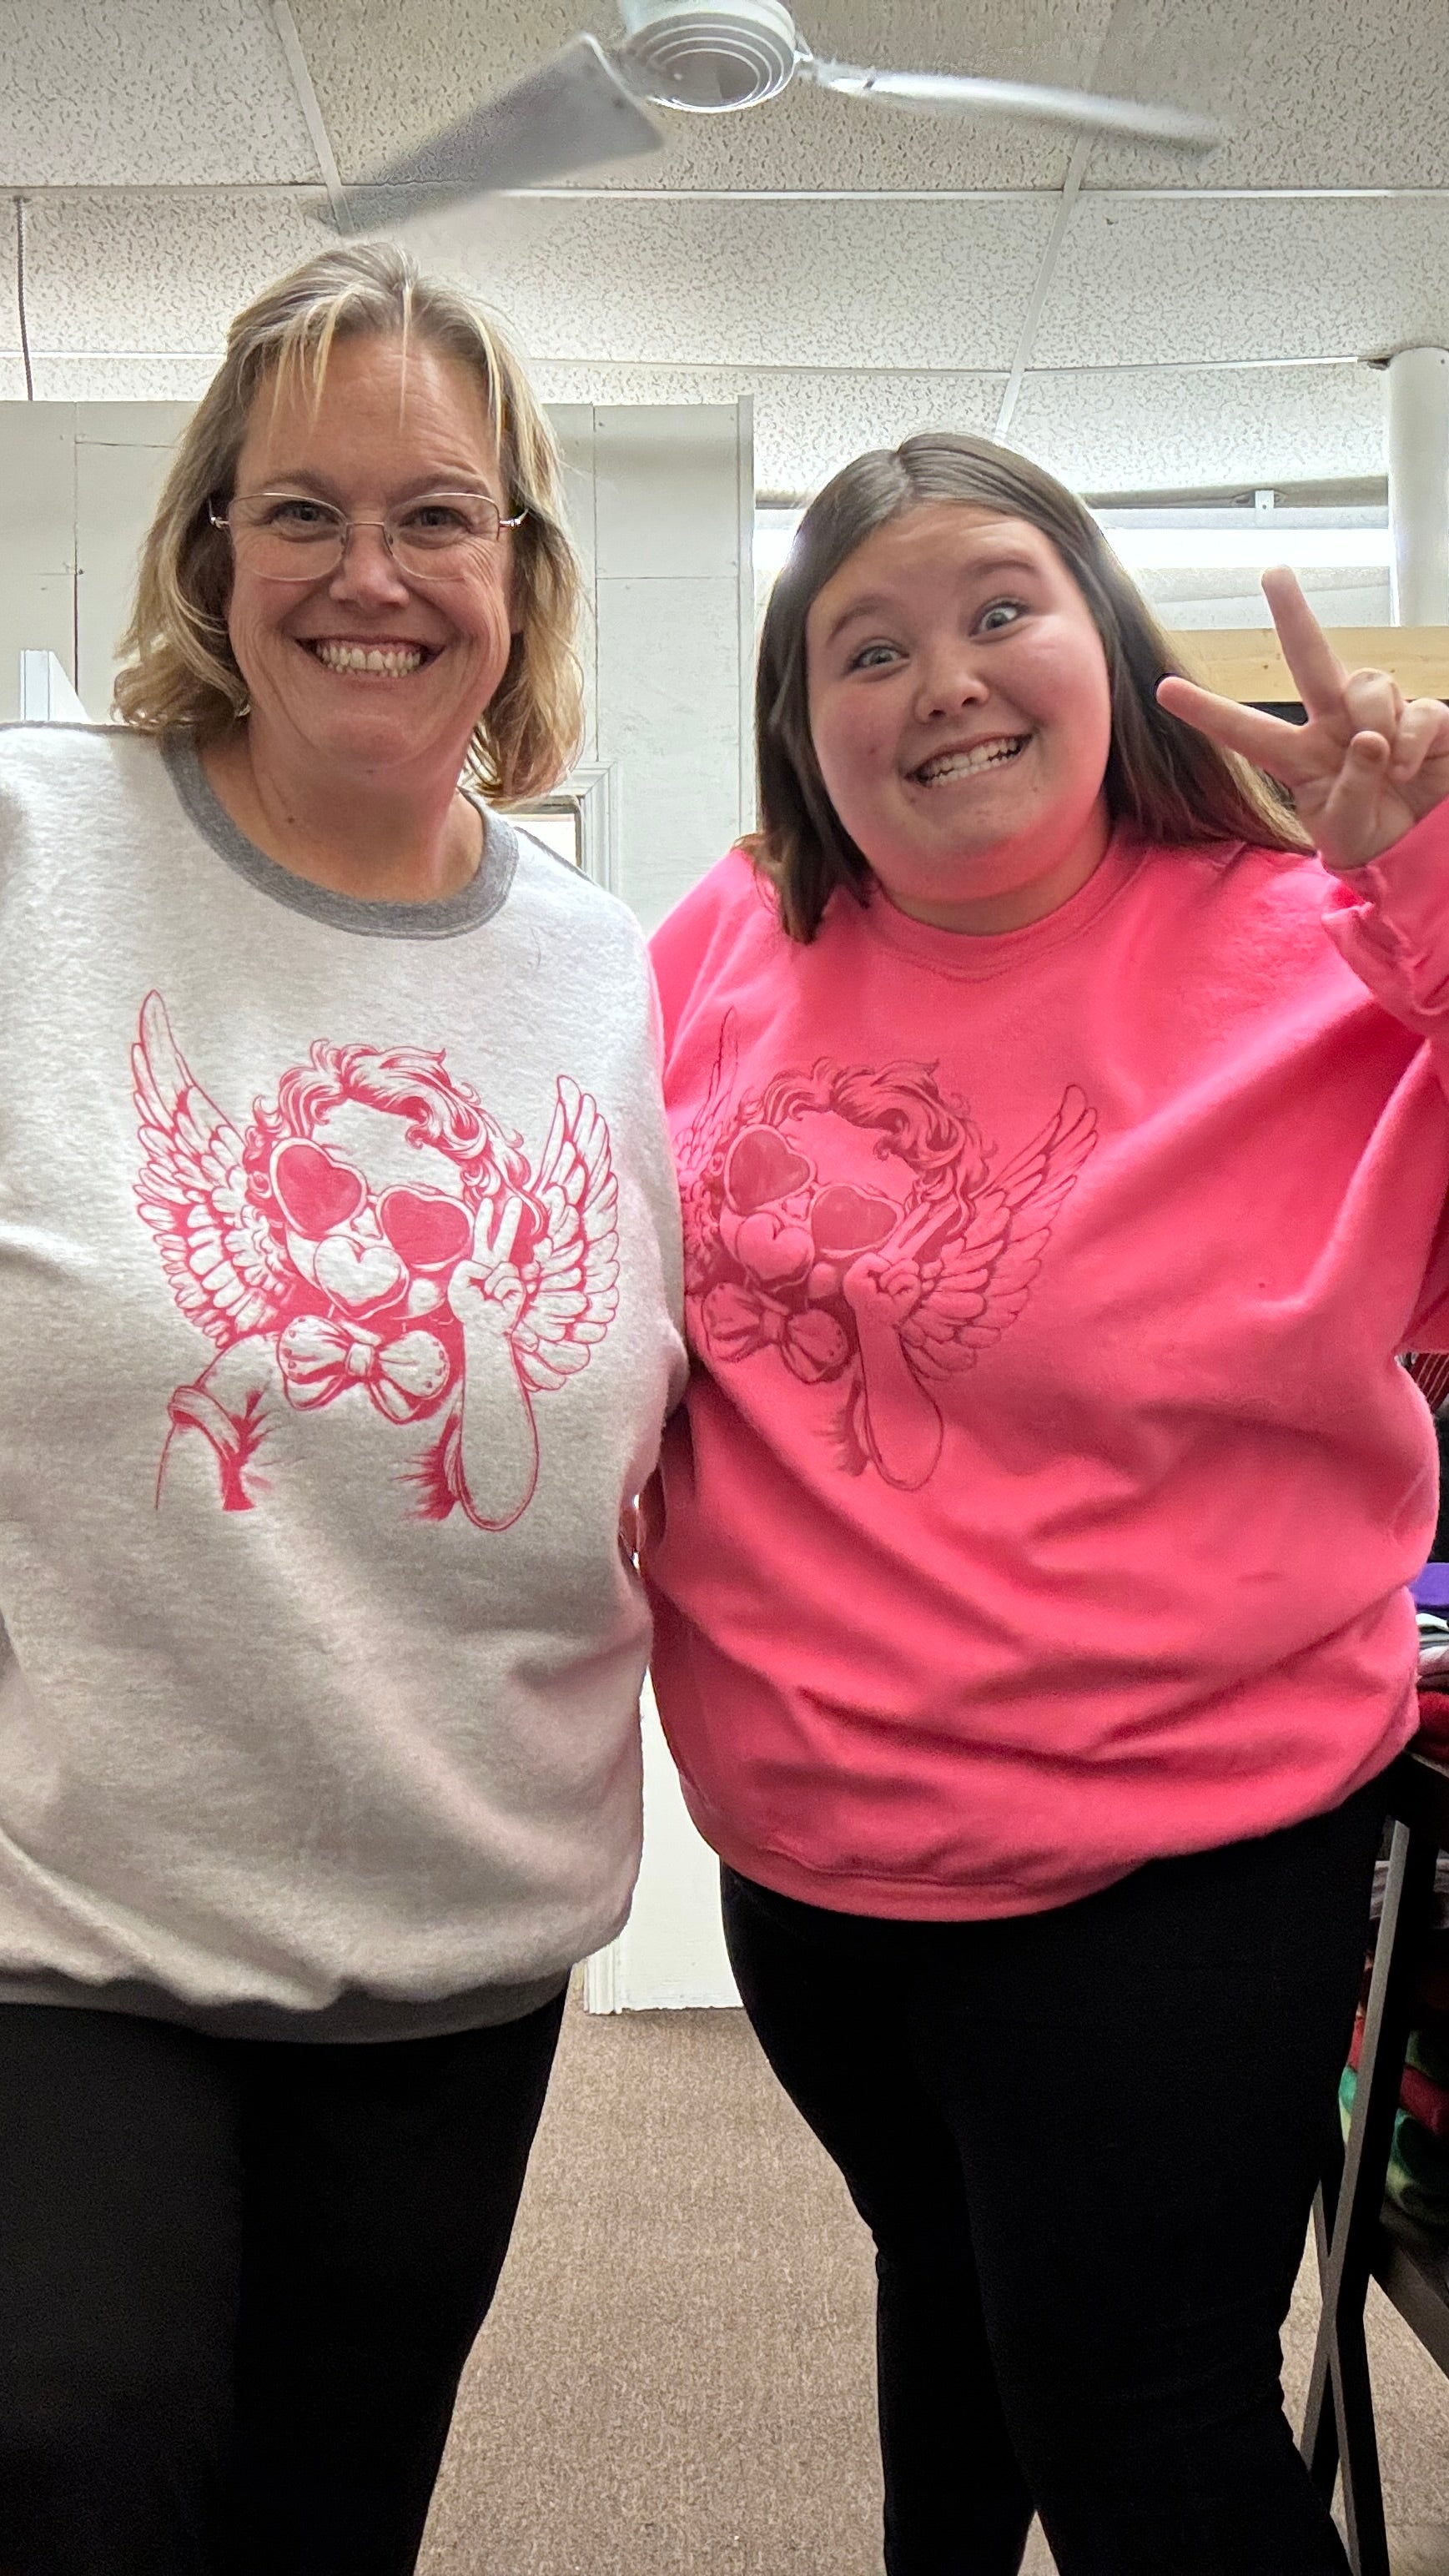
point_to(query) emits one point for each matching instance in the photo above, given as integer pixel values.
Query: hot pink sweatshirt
(1046, 1489)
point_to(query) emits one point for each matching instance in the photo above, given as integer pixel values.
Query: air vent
(709, 59)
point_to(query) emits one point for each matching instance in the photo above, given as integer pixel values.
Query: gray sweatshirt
(338, 1317)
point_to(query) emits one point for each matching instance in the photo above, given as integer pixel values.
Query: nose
(367, 575)
(949, 677)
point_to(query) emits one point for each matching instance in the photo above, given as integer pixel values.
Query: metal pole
(1419, 486)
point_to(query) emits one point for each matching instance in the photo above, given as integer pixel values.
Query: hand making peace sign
(1367, 764)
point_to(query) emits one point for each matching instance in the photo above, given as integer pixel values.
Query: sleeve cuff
(1390, 921)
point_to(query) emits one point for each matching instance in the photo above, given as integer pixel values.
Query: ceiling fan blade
(572, 114)
(956, 93)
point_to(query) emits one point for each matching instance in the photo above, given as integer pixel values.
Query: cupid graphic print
(846, 1224)
(375, 1239)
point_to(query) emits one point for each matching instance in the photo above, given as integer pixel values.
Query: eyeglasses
(318, 1191)
(288, 536)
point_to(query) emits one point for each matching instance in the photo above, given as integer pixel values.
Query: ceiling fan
(585, 107)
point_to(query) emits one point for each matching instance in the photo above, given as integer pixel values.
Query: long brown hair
(178, 670)
(1171, 783)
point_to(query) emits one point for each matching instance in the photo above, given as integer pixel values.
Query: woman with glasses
(337, 1325)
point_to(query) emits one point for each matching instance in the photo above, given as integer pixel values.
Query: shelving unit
(1365, 2241)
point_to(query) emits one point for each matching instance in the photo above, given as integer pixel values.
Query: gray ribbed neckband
(476, 902)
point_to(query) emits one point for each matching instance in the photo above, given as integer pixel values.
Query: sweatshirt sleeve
(1390, 923)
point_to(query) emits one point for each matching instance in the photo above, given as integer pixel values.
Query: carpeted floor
(677, 2376)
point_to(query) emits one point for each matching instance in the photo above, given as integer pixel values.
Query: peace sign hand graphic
(486, 1289)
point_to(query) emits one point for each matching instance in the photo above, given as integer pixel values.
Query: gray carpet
(676, 2379)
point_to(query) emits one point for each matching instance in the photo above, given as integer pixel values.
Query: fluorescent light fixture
(1254, 547)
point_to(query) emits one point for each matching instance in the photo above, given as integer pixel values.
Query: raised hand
(486, 1290)
(884, 1286)
(1366, 766)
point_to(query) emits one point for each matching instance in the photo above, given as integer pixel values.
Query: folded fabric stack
(1433, 1735)
(1417, 2181)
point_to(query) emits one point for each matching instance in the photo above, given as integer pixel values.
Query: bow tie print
(739, 1319)
(322, 1356)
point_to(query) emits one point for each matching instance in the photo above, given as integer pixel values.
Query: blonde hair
(178, 670)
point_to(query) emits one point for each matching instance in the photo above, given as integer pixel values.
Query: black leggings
(238, 2282)
(1086, 2144)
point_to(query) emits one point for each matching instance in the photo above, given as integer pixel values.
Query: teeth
(964, 764)
(393, 663)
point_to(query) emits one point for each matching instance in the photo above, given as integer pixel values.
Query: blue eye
(439, 518)
(865, 659)
(300, 514)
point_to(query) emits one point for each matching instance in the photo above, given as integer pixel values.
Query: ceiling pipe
(1419, 486)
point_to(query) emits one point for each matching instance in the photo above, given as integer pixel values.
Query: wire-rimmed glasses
(291, 536)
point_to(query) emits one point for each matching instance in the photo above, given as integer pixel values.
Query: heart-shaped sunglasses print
(318, 1192)
(763, 1167)
(844, 1219)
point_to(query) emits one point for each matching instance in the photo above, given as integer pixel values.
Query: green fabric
(1417, 2181)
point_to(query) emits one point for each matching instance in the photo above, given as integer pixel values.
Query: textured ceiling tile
(806, 426)
(794, 285)
(126, 379)
(1149, 280)
(153, 272)
(9, 333)
(387, 77)
(122, 93)
(1161, 430)
(1311, 93)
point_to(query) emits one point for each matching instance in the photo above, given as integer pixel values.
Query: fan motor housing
(709, 59)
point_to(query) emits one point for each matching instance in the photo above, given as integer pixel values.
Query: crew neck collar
(970, 955)
(484, 894)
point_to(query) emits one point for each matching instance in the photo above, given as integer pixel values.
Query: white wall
(662, 502)
(78, 483)
(663, 505)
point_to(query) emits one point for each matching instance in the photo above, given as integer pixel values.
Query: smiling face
(383, 433)
(960, 712)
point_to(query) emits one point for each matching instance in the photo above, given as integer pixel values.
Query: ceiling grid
(1036, 305)
(1136, 321)
(311, 107)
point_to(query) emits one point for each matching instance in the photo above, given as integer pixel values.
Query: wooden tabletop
(1247, 662)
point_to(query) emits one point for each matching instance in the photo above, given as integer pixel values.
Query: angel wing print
(849, 1221)
(374, 1237)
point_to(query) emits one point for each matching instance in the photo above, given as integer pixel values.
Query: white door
(671, 1951)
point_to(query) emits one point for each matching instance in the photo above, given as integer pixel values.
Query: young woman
(1064, 1151)
(337, 1234)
